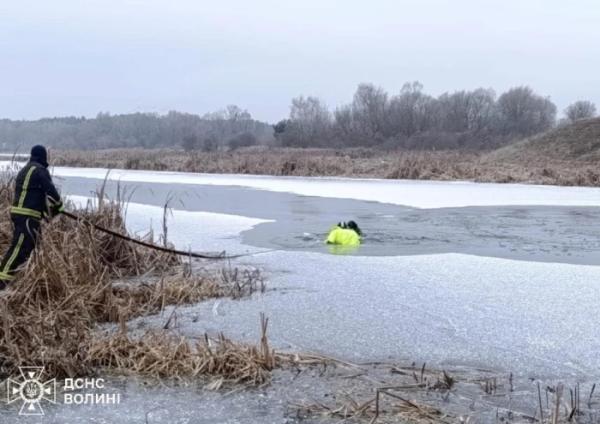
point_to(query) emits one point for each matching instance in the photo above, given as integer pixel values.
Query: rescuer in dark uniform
(35, 198)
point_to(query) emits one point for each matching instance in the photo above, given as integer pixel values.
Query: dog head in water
(353, 226)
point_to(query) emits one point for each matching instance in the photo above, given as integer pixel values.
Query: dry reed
(161, 354)
(50, 314)
(365, 163)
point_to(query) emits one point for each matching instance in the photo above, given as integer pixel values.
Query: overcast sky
(80, 57)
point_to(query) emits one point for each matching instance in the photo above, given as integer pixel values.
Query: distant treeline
(230, 128)
(411, 119)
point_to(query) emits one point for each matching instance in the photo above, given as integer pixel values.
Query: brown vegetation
(579, 141)
(364, 163)
(391, 393)
(50, 314)
(160, 354)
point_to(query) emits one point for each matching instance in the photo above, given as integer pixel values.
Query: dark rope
(150, 245)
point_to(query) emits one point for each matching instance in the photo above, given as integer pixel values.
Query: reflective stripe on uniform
(5, 276)
(14, 254)
(26, 211)
(25, 186)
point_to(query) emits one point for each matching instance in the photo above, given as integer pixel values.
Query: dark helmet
(353, 226)
(39, 155)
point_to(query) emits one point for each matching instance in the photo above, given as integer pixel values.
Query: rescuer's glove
(56, 209)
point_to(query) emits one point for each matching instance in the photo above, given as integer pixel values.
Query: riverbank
(362, 163)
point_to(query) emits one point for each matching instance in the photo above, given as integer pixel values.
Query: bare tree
(464, 111)
(234, 113)
(523, 113)
(135, 130)
(239, 120)
(344, 124)
(411, 111)
(369, 110)
(454, 111)
(581, 109)
(309, 123)
(481, 109)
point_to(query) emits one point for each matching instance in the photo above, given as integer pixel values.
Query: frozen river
(505, 277)
(501, 276)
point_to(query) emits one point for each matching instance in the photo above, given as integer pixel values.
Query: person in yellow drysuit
(345, 234)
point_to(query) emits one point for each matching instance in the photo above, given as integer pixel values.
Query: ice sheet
(203, 230)
(421, 194)
(532, 319)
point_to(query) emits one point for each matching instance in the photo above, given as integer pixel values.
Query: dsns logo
(31, 390)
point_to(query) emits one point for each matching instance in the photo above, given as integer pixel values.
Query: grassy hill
(577, 141)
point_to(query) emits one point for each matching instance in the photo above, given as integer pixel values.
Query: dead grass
(50, 314)
(579, 141)
(363, 163)
(181, 287)
(164, 355)
(350, 409)
(390, 393)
